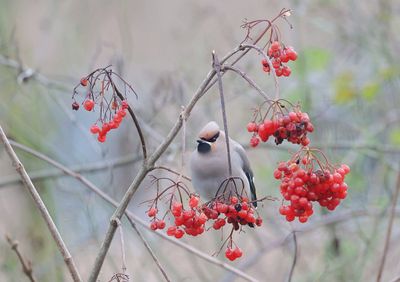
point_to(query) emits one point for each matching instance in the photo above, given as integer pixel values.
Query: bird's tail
(252, 189)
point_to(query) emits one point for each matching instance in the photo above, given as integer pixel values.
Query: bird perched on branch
(210, 170)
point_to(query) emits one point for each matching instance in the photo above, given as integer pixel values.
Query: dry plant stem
(294, 257)
(149, 249)
(131, 217)
(135, 121)
(172, 171)
(121, 234)
(261, 51)
(389, 229)
(217, 68)
(248, 79)
(396, 279)
(26, 265)
(42, 208)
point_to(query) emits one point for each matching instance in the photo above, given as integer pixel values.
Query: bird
(209, 166)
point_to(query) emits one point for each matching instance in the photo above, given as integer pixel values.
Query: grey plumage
(209, 165)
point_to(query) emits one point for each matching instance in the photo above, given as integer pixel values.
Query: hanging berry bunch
(100, 89)
(189, 216)
(279, 54)
(306, 179)
(282, 121)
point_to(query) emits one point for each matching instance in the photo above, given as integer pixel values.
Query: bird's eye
(214, 138)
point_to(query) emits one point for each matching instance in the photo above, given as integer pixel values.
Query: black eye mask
(212, 139)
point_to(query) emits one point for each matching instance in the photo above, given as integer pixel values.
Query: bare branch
(26, 265)
(172, 171)
(42, 208)
(294, 257)
(49, 173)
(248, 79)
(389, 228)
(146, 244)
(217, 68)
(261, 51)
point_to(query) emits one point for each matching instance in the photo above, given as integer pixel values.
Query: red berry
(277, 174)
(179, 234)
(153, 225)
(75, 106)
(113, 124)
(237, 252)
(194, 201)
(275, 46)
(286, 71)
(262, 132)
(101, 138)
(291, 54)
(303, 219)
(266, 69)
(251, 127)
(121, 113)
(124, 104)
(259, 221)
(160, 224)
(152, 212)
(88, 105)
(171, 231)
(84, 81)
(94, 129)
(264, 62)
(254, 141)
(234, 200)
(346, 168)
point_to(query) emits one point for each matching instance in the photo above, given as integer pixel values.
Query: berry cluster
(112, 124)
(278, 55)
(233, 254)
(238, 211)
(302, 184)
(99, 89)
(292, 126)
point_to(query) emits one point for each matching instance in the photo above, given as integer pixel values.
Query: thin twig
(389, 229)
(217, 68)
(121, 234)
(49, 173)
(261, 51)
(248, 79)
(294, 257)
(132, 216)
(42, 208)
(135, 120)
(172, 171)
(183, 147)
(149, 249)
(26, 265)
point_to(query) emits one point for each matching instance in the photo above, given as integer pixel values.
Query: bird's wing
(247, 170)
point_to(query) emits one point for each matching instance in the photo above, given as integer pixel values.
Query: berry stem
(389, 228)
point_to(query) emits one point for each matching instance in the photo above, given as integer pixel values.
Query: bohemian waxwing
(209, 165)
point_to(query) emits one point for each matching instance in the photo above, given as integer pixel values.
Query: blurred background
(346, 77)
